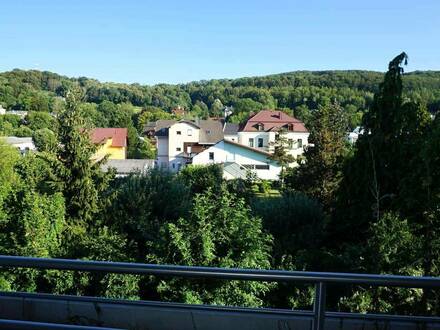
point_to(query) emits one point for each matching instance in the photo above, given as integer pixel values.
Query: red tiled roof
(118, 136)
(273, 120)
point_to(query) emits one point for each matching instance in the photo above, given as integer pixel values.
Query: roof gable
(270, 120)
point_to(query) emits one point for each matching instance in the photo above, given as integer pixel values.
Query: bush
(199, 177)
(23, 131)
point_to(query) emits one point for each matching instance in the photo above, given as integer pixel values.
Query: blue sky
(180, 41)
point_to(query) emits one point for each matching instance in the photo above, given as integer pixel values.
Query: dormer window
(260, 127)
(290, 127)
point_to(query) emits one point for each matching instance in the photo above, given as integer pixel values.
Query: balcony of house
(20, 310)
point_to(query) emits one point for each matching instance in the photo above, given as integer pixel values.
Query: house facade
(238, 159)
(261, 129)
(178, 141)
(111, 142)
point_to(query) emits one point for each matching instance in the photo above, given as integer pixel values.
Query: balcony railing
(319, 279)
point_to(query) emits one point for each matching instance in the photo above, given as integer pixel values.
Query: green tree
(80, 179)
(45, 139)
(200, 178)
(23, 131)
(217, 108)
(372, 180)
(143, 203)
(219, 232)
(320, 173)
(38, 120)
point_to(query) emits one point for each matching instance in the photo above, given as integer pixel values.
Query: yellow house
(111, 141)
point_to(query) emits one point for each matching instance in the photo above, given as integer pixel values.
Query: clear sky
(179, 41)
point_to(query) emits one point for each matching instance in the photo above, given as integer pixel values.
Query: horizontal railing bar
(216, 308)
(18, 324)
(219, 273)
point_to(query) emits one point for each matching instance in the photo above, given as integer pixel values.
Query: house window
(211, 156)
(260, 142)
(174, 165)
(290, 127)
(179, 132)
(251, 142)
(260, 127)
(190, 132)
(261, 167)
(290, 144)
(178, 149)
(300, 143)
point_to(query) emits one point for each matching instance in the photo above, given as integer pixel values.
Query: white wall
(269, 138)
(170, 149)
(226, 152)
(162, 151)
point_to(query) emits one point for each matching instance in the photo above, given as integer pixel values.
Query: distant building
(2, 110)
(178, 111)
(111, 141)
(126, 167)
(353, 136)
(24, 144)
(260, 130)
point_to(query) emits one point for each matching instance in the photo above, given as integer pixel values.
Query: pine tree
(320, 173)
(79, 178)
(383, 156)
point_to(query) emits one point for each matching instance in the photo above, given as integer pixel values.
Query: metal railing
(319, 279)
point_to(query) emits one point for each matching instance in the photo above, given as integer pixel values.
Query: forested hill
(300, 91)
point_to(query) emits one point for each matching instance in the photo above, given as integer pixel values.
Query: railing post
(319, 306)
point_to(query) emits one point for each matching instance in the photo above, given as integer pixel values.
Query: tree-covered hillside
(300, 92)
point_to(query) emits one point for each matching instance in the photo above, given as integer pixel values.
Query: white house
(238, 159)
(178, 141)
(261, 129)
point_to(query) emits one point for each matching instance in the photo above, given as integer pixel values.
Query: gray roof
(17, 140)
(127, 166)
(211, 131)
(159, 124)
(231, 129)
